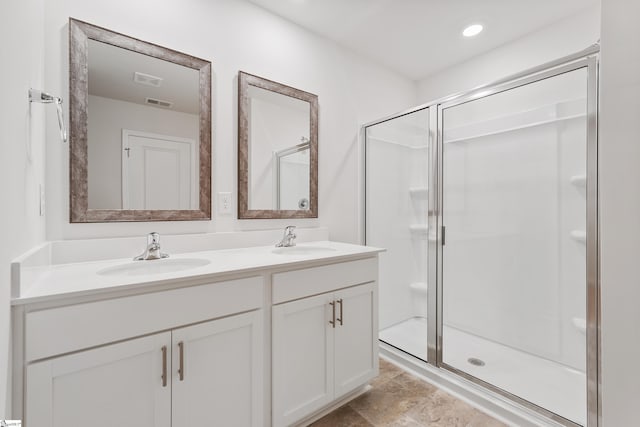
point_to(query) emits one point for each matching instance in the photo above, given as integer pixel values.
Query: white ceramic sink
(302, 250)
(158, 266)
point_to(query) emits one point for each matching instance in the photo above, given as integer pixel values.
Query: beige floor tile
(404, 421)
(344, 416)
(444, 410)
(387, 371)
(388, 402)
(399, 399)
(411, 382)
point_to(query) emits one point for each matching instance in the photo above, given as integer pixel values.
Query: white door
(158, 171)
(302, 378)
(116, 385)
(356, 358)
(217, 371)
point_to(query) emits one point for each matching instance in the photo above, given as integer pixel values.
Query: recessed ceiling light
(472, 30)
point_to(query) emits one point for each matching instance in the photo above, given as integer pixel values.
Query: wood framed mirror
(140, 122)
(277, 150)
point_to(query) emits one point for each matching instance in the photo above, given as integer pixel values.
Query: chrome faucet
(289, 238)
(153, 249)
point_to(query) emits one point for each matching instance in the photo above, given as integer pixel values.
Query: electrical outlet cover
(224, 202)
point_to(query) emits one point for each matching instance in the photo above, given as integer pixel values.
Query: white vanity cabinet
(323, 346)
(355, 338)
(205, 374)
(302, 351)
(217, 373)
(102, 387)
(130, 360)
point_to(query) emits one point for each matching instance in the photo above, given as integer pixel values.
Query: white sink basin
(302, 250)
(158, 266)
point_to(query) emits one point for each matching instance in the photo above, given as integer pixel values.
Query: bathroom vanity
(240, 337)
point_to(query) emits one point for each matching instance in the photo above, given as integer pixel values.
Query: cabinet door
(118, 384)
(356, 356)
(217, 370)
(302, 348)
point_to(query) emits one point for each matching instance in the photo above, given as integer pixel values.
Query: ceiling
(111, 72)
(419, 37)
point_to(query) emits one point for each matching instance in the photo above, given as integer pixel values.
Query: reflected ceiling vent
(147, 79)
(158, 102)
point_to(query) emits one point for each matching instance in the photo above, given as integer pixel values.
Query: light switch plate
(224, 202)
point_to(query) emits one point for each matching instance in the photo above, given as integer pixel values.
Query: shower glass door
(397, 159)
(514, 211)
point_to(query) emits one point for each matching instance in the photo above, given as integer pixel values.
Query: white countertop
(61, 281)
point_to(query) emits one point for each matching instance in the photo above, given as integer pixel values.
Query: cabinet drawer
(65, 329)
(296, 284)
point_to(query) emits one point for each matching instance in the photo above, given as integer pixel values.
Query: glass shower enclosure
(487, 205)
(397, 155)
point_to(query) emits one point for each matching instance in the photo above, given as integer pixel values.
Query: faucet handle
(153, 238)
(153, 249)
(288, 238)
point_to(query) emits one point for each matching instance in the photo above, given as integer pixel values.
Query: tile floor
(401, 399)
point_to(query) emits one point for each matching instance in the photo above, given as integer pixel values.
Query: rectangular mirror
(277, 150)
(140, 120)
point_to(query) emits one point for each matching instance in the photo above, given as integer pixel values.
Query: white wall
(107, 119)
(620, 211)
(21, 154)
(557, 40)
(235, 35)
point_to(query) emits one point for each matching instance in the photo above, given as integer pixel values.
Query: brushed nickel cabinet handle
(340, 318)
(181, 368)
(333, 309)
(164, 366)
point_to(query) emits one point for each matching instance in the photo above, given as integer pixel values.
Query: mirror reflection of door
(158, 171)
(139, 93)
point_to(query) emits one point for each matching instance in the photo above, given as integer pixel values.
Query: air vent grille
(158, 102)
(147, 79)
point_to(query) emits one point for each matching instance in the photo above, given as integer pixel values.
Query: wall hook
(44, 98)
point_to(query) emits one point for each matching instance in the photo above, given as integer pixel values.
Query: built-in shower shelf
(419, 229)
(515, 128)
(579, 236)
(545, 115)
(579, 181)
(418, 287)
(418, 192)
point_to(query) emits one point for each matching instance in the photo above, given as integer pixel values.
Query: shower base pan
(548, 384)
